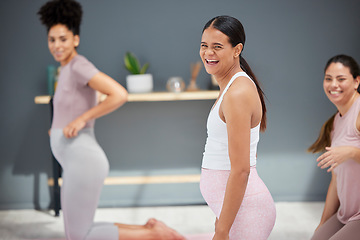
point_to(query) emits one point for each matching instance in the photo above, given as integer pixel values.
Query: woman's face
(216, 52)
(339, 84)
(62, 43)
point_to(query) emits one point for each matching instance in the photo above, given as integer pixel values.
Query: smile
(211, 62)
(57, 53)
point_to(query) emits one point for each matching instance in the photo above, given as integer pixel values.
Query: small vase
(139, 83)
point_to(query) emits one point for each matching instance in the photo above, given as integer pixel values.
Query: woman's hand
(116, 96)
(72, 129)
(334, 156)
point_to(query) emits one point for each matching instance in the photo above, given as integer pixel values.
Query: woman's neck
(224, 79)
(67, 60)
(343, 109)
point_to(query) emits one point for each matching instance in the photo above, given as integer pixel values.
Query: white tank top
(216, 154)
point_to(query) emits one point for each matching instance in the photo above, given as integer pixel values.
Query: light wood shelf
(155, 96)
(139, 180)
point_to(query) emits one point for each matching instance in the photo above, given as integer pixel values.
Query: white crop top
(216, 155)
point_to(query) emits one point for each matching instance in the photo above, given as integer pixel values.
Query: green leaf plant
(132, 64)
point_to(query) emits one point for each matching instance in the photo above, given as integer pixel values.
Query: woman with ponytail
(229, 182)
(340, 139)
(72, 137)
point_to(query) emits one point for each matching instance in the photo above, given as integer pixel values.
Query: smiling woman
(216, 52)
(72, 137)
(339, 85)
(61, 43)
(229, 181)
(340, 139)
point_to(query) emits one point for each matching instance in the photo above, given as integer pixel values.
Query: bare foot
(150, 223)
(163, 232)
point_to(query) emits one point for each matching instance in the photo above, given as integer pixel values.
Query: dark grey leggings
(85, 167)
(333, 229)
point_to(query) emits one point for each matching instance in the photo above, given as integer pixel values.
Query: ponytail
(245, 66)
(324, 139)
(234, 30)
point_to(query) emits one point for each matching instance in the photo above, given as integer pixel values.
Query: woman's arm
(332, 201)
(334, 156)
(116, 96)
(237, 109)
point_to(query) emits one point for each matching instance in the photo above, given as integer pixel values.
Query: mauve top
(345, 133)
(73, 96)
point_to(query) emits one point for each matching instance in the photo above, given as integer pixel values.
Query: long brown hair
(324, 139)
(233, 28)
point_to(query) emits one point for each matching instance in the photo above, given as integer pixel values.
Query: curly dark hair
(67, 12)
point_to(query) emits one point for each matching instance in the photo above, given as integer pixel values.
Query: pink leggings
(256, 216)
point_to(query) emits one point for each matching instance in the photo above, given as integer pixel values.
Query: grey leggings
(333, 229)
(85, 167)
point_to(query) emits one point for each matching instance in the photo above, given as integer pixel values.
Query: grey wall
(288, 43)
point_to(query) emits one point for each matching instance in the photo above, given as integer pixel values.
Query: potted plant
(138, 81)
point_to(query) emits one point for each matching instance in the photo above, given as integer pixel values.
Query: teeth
(211, 60)
(334, 92)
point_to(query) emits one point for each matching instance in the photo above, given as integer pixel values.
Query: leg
(85, 168)
(56, 173)
(328, 229)
(152, 230)
(256, 217)
(150, 223)
(351, 231)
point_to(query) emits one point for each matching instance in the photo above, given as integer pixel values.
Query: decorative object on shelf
(138, 81)
(175, 84)
(195, 69)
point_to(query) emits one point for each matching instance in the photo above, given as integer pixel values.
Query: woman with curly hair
(72, 138)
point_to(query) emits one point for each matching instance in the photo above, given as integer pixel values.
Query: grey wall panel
(288, 43)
